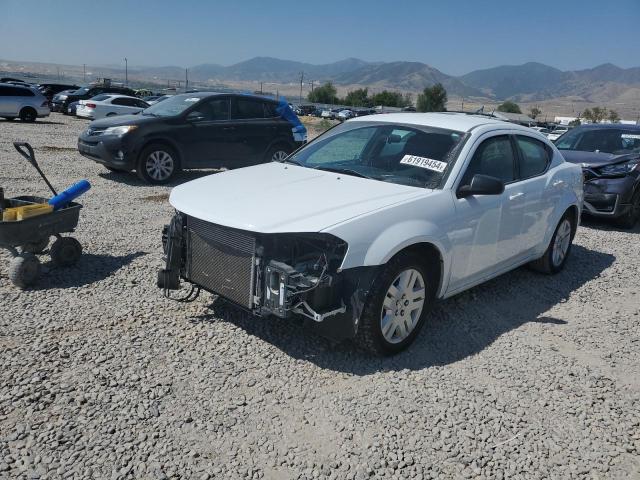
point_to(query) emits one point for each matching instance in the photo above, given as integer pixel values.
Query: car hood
(278, 198)
(594, 159)
(122, 120)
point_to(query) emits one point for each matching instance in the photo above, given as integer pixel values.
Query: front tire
(398, 305)
(629, 219)
(556, 254)
(158, 164)
(65, 251)
(24, 270)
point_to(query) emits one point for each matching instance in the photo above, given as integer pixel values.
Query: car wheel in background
(629, 219)
(157, 164)
(28, 114)
(556, 254)
(277, 153)
(399, 301)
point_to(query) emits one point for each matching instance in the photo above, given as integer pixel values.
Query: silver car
(22, 101)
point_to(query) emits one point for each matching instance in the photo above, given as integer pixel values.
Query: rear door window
(534, 156)
(126, 102)
(247, 108)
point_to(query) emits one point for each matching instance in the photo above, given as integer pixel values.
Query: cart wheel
(65, 251)
(24, 270)
(38, 246)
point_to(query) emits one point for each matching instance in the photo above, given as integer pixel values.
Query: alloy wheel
(402, 306)
(279, 155)
(159, 165)
(561, 243)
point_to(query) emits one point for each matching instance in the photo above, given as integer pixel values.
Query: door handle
(516, 195)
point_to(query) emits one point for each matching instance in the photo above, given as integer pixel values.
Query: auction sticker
(424, 162)
(630, 136)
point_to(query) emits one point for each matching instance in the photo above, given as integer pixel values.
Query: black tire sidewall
(25, 115)
(556, 268)
(373, 307)
(141, 169)
(276, 148)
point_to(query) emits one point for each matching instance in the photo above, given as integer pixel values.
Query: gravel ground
(527, 376)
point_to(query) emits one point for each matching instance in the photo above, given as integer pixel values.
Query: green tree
(534, 112)
(432, 99)
(326, 93)
(509, 107)
(358, 98)
(575, 122)
(388, 99)
(595, 114)
(613, 116)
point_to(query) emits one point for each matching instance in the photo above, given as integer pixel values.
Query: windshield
(409, 155)
(81, 91)
(171, 106)
(608, 140)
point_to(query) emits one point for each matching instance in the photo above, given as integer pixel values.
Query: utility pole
(462, 106)
(84, 73)
(301, 79)
(186, 78)
(312, 81)
(260, 88)
(58, 73)
(126, 71)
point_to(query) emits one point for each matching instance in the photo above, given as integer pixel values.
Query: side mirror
(194, 116)
(481, 185)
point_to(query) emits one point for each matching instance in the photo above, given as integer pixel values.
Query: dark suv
(60, 103)
(194, 130)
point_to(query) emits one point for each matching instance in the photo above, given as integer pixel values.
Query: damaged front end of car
(289, 275)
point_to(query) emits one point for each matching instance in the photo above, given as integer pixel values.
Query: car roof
(460, 122)
(605, 126)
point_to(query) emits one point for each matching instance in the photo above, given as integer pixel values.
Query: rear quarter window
(534, 156)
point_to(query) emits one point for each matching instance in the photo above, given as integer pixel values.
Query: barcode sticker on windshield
(424, 162)
(191, 99)
(630, 136)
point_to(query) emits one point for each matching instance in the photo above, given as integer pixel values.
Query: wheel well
(27, 108)
(166, 144)
(574, 215)
(431, 255)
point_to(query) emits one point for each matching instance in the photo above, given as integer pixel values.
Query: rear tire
(277, 153)
(556, 254)
(631, 218)
(37, 246)
(158, 164)
(24, 270)
(398, 305)
(28, 114)
(65, 251)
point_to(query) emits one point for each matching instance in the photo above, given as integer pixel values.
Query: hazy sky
(455, 36)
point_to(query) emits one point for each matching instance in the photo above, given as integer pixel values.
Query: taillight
(90, 105)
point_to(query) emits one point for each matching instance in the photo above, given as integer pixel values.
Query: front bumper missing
(241, 272)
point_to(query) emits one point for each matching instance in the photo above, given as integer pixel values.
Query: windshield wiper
(346, 171)
(291, 160)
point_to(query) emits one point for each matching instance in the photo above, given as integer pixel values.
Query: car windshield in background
(99, 98)
(608, 140)
(171, 106)
(81, 91)
(408, 155)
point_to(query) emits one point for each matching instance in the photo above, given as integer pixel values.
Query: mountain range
(527, 82)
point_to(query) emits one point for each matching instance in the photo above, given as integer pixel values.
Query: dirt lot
(527, 376)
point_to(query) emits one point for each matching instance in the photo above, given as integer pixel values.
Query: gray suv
(24, 102)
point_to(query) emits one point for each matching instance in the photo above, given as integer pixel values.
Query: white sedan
(109, 105)
(360, 231)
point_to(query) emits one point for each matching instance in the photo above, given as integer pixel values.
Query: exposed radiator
(222, 260)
